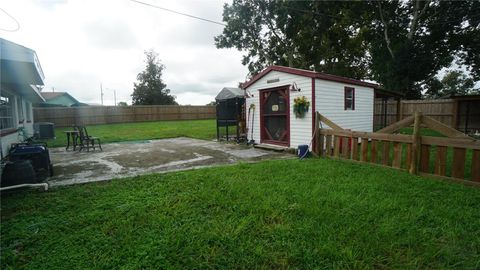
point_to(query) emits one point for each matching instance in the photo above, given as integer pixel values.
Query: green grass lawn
(315, 213)
(200, 129)
(423, 132)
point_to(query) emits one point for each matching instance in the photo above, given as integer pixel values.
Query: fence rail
(95, 115)
(386, 113)
(454, 158)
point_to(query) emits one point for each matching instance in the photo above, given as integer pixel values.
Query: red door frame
(263, 134)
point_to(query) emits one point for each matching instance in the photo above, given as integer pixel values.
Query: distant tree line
(454, 83)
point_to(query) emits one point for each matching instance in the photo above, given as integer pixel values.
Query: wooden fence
(389, 112)
(95, 115)
(456, 157)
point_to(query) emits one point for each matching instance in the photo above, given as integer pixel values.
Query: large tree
(150, 88)
(412, 41)
(295, 34)
(401, 44)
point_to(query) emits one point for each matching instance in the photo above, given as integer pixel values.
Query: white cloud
(110, 34)
(82, 43)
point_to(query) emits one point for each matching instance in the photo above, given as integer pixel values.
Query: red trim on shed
(308, 73)
(345, 89)
(313, 111)
(353, 99)
(262, 120)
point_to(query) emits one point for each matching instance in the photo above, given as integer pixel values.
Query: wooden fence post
(399, 109)
(318, 143)
(416, 145)
(455, 114)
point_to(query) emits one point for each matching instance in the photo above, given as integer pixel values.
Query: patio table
(74, 135)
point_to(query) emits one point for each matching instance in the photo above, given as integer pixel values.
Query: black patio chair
(87, 141)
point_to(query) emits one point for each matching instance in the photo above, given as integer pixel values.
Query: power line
(290, 8)
(13, 18)
(179, 13)
(474, 16)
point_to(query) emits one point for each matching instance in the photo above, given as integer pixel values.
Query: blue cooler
(38, 155)
(302, 151)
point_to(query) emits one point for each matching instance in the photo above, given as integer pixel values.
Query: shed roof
(229, 93)
(311, 74)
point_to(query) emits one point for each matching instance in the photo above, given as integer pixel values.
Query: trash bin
(302, 151)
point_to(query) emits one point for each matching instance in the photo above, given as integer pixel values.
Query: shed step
(277, 148)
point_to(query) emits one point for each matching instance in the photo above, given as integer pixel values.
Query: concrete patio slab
(125, 159)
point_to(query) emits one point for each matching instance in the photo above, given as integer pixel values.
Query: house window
(349, 98)
(6, 112)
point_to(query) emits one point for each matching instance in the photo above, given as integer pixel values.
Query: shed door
(274, 107)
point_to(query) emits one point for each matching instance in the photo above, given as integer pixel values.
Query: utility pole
(101, 93)
(114, 95)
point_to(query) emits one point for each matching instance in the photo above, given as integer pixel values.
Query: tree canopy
(401, 44)
(150, 88)
(420, 38)
(293, 33)
(453, 83)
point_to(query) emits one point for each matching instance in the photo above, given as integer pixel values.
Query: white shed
(347, 102)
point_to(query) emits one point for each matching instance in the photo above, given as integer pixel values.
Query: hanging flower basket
(300, 106)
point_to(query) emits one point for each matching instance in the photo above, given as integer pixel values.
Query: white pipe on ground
(44, 185)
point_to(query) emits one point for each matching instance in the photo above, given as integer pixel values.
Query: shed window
(6, 112)
(349, 98)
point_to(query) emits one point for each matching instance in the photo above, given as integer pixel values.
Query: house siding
(330, 103)
(19, 120)
(300, 128)
(7, 141)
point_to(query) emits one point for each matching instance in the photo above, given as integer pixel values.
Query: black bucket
(18, 172)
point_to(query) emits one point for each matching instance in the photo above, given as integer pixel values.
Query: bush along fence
(455, 157)
(96, 115)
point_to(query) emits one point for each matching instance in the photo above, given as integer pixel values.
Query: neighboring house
(347, 102)
(21, 78)
(59, 98)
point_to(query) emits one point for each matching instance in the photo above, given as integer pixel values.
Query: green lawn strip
(423, 132)
(199, 129)
(315, 213)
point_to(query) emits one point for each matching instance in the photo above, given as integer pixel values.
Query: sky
(82, 44)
